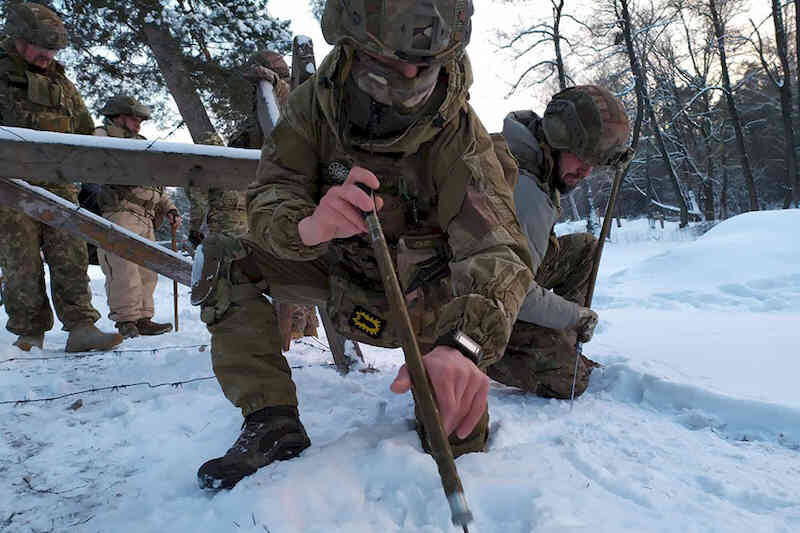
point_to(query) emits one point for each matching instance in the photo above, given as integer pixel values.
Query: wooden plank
(57, 212)
(303, 63)
(65, 158)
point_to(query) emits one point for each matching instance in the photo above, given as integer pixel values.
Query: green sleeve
(491, 264)
(286, 189)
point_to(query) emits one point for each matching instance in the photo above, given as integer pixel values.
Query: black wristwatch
(463, 343)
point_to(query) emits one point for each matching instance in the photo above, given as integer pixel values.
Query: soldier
(225, 211)
(388, 110)
(582, 127)
(35, 93)
(130, 287)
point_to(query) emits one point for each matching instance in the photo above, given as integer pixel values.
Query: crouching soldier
(582, 127)
(388, 110)
(130, 287)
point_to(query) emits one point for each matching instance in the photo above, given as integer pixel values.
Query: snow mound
(699, 409)
(750, 262)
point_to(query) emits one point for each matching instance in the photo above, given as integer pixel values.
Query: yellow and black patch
(366, 322)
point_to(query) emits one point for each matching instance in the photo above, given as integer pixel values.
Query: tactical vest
(36, 101)
(417, 244)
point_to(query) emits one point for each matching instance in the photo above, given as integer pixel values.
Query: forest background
(711, 85)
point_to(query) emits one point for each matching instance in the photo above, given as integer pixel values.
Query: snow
(27, 135)
(692, 425)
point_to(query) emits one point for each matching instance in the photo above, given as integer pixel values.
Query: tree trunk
(797, 63)
(562, 75)
(708, 189)
(591, 215)
(179, 81)
(786, 106)
(723, 196)
(644, 99)
(719, 32)
(575, 214)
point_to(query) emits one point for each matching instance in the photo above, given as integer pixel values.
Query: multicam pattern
(46, 101)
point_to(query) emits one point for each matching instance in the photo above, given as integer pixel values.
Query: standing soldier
(388, 110)
(225, 211)
(582, 127)
(130, 287)
(35, 93)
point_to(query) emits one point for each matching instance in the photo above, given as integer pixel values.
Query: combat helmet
(590, 122)
(426, 32)
(122, 104)
(37, 25)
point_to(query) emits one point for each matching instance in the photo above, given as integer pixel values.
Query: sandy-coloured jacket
(445, 195)
(150, 203)
(538, 207)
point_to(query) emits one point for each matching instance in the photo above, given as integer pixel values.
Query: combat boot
(127, 329)
(148, 327)
(26, 342)
(271, 434)
(86, 338)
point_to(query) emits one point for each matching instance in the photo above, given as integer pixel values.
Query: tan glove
(587, 321)
(257, 73)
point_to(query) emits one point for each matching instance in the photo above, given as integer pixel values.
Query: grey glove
(587, 321)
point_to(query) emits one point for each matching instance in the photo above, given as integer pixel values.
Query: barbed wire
(81, 355)
(117, 388)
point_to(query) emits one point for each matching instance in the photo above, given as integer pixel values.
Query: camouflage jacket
(150, 203)
(538, 207)
(39, 100)
(448, 213)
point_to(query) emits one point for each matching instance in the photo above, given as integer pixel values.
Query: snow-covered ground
(692, 425)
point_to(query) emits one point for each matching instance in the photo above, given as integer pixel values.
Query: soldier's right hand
(196, 237)
(339, 213)
(587, 321)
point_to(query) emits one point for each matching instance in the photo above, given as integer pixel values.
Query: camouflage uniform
(446, 202)
(447, 214)
(224, 211)
(42, 100)
(130, 287)
(540, 357)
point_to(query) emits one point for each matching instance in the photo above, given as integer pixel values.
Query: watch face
(468, 344)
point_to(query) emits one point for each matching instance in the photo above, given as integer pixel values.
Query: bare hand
(339, 213)
(461, 389)
(174, 219)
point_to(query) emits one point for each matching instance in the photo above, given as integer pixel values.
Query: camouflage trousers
(542, 360)
(246, 340)
(22, 242)
(223, 211)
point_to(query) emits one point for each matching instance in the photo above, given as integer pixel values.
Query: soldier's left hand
(461, 389)
(587, 321)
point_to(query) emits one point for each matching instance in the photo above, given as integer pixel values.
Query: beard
(567, 183)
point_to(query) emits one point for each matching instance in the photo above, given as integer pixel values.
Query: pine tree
(111, 50)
